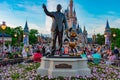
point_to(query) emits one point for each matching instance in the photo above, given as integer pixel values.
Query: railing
(19, 60)
(114, 62)
(11, 61)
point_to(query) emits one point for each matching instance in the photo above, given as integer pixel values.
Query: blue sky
(91, 13)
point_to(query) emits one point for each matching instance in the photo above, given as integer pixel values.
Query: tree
(32, 36)
(18, 39)
(100, 39)
(18, 31)
(115, 40)
(9, 31)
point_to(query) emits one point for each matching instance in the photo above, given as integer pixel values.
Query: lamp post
(94, 38)
(23, 35)
(23, 38)
(107, 41)
(3, 27)
(105, 35)
(105, 38)
(17, 35)
(114, 35)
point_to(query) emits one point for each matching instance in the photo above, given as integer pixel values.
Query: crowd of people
(27, 52)
(94, 53)
(98, 53)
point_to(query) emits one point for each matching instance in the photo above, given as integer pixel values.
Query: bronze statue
(58, 24)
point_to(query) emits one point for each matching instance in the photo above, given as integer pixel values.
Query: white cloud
(35, 16)
(96, 22)
(20, 5)
(111, 12)
(51, 5)
(15, 18)
(40, 29)
(92, 22)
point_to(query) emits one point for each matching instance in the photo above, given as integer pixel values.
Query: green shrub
(15, 76)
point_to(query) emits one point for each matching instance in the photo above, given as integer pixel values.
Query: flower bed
(105, 72)
(27, 71)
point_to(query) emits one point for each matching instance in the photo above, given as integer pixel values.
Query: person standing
(96, 57)
(116, 52)
(24, 53)
(43, 50)
(111, 59)
(37, 56)
(58, 24)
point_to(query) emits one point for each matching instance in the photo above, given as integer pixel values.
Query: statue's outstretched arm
(46, 11)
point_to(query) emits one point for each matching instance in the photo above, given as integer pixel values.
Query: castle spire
(71, 7)
(84, 31)
(67, 8)
(74, 12)
(78, 26)
(26, 29)
(107, 25)
(107, 28)
(79, 29)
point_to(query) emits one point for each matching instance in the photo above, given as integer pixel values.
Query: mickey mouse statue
(72, 35)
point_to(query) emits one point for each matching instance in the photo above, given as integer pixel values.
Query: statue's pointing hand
(44, 6)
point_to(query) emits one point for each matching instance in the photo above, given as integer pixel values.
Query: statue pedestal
(63, 67)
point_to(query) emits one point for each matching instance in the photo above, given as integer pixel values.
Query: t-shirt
(112, 58)
(24, 54)
(83, 55)
(96, 58)
(66, 51)
(96, 55)
(37, 57)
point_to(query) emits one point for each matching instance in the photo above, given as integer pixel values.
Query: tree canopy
(115, 40)
(17, 35)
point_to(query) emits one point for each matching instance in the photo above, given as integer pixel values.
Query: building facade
(107, 34)
(71, 17)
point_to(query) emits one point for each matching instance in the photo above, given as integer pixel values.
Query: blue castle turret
(79, 30)
(85, 35)
(107, 34)
(26, 34)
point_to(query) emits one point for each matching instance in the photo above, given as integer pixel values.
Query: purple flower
(49, 76)
(101, 79)
(119, 77)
